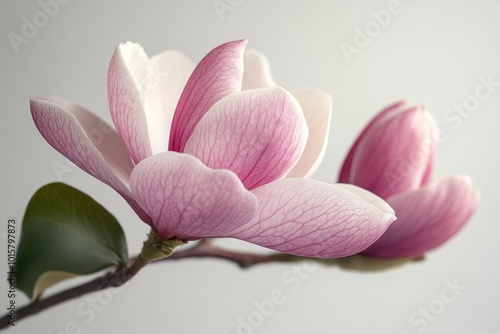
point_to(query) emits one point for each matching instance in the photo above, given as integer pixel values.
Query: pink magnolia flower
(197, 157)
(393, 157)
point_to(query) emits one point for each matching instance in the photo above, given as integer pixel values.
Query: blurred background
(366, 54)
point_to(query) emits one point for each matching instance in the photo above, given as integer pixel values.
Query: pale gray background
(432, 52)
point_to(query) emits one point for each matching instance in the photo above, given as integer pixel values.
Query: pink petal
(432, 149)
(257, 72)
(188, 200)
(216, 76)
(258, 134)
(427, 217)
(345, 172)
(74, 132)
(310, 218)
(126, 103)
(393, 155)
(317, 108)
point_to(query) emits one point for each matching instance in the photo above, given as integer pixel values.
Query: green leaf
(66, 233)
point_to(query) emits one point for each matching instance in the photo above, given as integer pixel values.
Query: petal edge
(314, 219)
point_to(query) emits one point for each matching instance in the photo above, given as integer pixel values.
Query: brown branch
(113, 279)
(203, 249)
(356, 262)
(244, 260)
(117, 278)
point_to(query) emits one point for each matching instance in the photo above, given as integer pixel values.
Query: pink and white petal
(394, 155)
(188, 200)
(54, 115)
(258, 134)
(167, 74)
(317, 108)
(345, 172)
(427, 217)
(367, 196)
(314, 219)
(127, 74)
(68, 128)
(103, 136)
(218, 75)
(256, 71)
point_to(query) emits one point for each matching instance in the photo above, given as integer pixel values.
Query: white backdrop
(431, 52)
